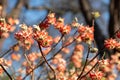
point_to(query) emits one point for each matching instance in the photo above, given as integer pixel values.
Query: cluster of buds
(96, 75)
(61, 66)
(59, 62)
(15, 56)
(59, 24)
(105, 65)
(111, 44)
(24, 36)
(5, 28)
(77, 55)
(32, 57)
(29, 69)
(86, 34)
(64, 29)
(5, 63)
(12, 21)
(75, 23)
(50, 19)
(42, 37)
(104, 62)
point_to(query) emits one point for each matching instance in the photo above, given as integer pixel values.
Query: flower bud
(93, 50)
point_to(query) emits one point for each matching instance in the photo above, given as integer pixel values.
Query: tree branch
(6, 72)
(99, 37)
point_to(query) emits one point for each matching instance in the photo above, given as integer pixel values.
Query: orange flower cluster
(50, 19)
(43, 38)
(59, 62)
(24, 36)
(113, 43)
(59, 24)
(5, 63)
(96, 75)
(77, 55)
(39, 33)
(5, 28)
(61, 65)
(64, 29)
(86, 33)
(32, 57)
(110, 43)
(15, 56)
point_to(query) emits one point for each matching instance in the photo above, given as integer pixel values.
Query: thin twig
(89, 70)
(10, 49)
(79, 77)
(27, 60)
(6, 72)
(56, 44)
(5, 53)
(47, 61)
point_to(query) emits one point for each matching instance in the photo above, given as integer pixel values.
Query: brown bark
(114, 21)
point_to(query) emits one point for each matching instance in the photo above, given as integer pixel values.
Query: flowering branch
(47, 61)
(51, 57)
(102, 48)
(90, 70)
